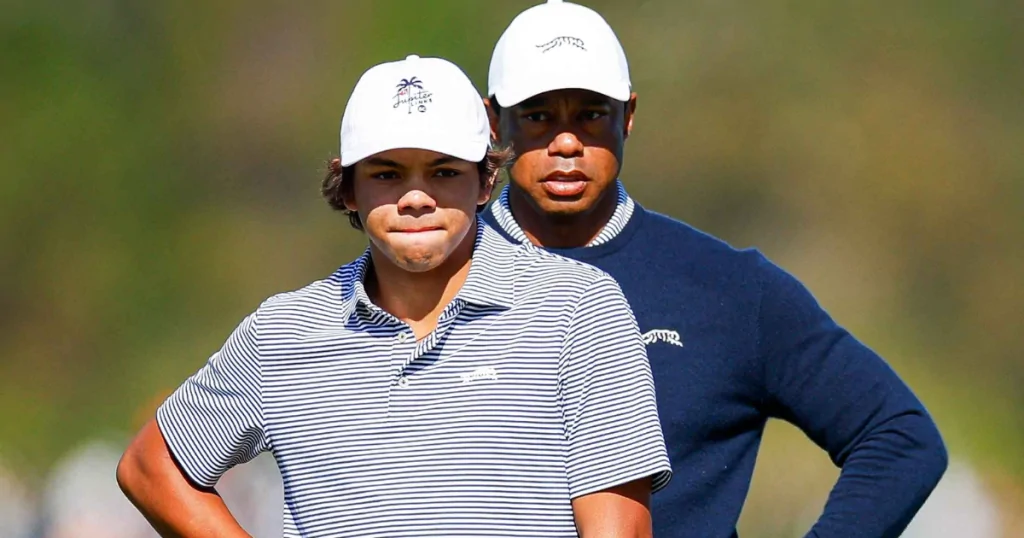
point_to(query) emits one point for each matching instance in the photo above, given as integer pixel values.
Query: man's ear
(630, 112)
(494, 118)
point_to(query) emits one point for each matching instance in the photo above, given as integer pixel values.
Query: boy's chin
(418, 260)
(419, 264)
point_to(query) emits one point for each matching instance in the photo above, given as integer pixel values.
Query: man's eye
(538, 116)
(592, 115)
(447, 172)
(390, 174)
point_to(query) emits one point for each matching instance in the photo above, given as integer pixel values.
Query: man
(732, 338)
(446, 383)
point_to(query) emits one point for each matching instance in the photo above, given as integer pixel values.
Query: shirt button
(403, 382)
(403, 338)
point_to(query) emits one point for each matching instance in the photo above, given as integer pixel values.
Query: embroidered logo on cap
(562, 40)
(411, 93)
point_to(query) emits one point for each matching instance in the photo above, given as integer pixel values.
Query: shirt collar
(488, 283)
(624, 206)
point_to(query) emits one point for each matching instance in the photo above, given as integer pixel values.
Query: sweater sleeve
(853, 405)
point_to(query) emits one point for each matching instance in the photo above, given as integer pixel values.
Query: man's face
(416, 205)
(568, 145)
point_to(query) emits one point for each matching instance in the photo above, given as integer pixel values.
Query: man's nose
(566, 145)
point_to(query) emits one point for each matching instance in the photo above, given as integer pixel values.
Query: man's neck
(558, 230)
(419, 298)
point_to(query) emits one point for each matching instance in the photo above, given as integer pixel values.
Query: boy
(445, 383)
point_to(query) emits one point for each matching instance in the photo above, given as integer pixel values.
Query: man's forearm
(885, 480)
(174, 507)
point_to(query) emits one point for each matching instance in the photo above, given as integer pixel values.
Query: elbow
(139, 472)
(923, 452)
(936, 456)
(129, 473)
(914, 449)
(142, 469)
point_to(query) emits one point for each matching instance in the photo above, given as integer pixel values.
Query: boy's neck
(556, 230)
(419, 298)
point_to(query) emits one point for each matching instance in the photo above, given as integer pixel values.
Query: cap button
(412, 57)
(554, 1)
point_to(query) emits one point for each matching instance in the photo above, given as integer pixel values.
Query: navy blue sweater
(733, 340)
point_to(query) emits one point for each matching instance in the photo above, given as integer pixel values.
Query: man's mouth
(565, 184)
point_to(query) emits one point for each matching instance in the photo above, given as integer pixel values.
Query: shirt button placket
(401, 352)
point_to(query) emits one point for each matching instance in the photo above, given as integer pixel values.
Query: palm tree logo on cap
(409, 83)
(406, 94)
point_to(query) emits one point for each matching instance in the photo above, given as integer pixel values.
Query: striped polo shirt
(533, 390)
(502, 212)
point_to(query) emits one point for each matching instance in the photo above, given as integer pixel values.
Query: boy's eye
(594, 114)
(447, 172)
(388, 174)
(537, 116)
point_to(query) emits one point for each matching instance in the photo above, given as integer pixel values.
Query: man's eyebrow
(533, 102)
(539, 102)
(377, 161)
(597, 101)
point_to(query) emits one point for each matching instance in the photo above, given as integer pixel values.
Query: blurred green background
(160, 166)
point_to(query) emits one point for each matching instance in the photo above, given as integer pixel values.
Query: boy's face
(417, 206)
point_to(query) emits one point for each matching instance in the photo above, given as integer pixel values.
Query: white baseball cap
(555, 46)
(421, 103)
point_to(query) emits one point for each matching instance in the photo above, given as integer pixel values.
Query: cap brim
(467, 150)
(534, 86)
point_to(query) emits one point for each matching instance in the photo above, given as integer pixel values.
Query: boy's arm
(618, 512)
(211, 423)
(152, 480)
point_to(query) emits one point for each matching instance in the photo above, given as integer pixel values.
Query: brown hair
(337, 183)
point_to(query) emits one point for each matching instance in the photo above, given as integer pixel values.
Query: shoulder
(315, 303)
(549, 282)
(678, 246)
(539, 270)
(683, 236)
(745, 274)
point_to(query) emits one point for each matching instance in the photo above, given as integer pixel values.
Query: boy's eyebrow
(443, 160)
(377, 161)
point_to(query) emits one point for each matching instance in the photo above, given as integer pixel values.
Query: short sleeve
(214, 420)
(611, 419)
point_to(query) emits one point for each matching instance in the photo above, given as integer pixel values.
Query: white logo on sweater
(663, 335)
